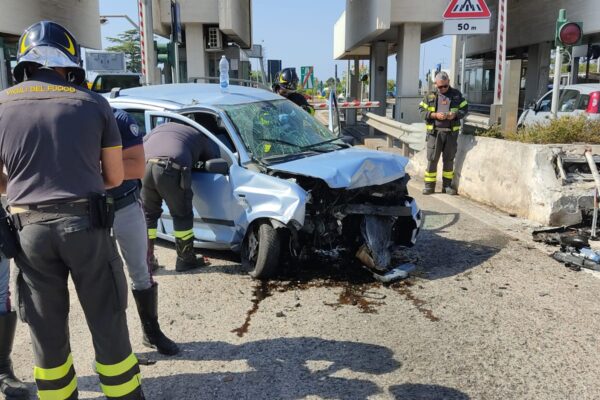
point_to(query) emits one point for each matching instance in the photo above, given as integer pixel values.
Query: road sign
(461, 9)
(467, 17)
(307, 77)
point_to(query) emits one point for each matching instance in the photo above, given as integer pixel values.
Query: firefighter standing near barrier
(286, 85)
(172, 149)
(442, 112)
(61, 148)
(131, 234)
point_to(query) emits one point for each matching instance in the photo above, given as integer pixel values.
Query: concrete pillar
(538, 71)
(510, 97)
(378, 75)
(574, 79)
(354, 89)
(407, 74)
(194, 51)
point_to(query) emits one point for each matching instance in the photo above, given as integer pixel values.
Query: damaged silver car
(280, 184)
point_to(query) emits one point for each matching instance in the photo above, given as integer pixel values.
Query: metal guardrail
(411, 136)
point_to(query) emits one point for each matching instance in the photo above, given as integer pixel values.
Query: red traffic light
(570, 33)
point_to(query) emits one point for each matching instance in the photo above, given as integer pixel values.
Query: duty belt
(23, 215)
(166, 163)
(127, 199)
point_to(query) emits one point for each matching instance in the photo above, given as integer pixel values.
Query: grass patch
(563, 130)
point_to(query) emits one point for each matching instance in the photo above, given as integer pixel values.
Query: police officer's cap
(288, 78)
(48, 44)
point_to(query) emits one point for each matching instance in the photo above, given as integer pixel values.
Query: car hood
(349, 168)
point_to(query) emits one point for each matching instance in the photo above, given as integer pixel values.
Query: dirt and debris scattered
(358, 289)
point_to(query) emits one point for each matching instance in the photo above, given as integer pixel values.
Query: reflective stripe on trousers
(121, 380)
(58, 383)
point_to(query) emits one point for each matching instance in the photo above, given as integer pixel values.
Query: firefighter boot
(429, 188)
(447, 187)
(12, 387)
(147, 306)
(186, 257)
(150, 257)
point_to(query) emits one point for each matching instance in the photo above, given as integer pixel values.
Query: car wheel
(260, 250)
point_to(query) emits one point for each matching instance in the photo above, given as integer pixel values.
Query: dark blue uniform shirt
(130, 136)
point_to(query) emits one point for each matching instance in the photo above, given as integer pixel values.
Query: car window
(139, 117)
(568, 100)
(209, 121)
(545, 103)
(279, 128)
(584, 100)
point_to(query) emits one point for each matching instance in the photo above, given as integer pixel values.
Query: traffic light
(165, 53)
(567, 33)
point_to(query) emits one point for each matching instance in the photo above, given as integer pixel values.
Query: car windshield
(279, 130)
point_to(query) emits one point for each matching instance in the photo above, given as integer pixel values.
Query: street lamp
(104, 19)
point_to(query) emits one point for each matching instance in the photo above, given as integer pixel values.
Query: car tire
(260, 250)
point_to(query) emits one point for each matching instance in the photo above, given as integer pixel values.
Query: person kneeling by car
(171, 151)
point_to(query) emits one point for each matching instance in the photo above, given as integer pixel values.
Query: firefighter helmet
(50, 45)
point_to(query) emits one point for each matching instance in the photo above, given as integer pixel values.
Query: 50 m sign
(467, 27)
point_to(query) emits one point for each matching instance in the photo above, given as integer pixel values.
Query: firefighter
(132, 237)
(286, 85)
(442, 112)
(172, 149)
(10, 385)
(61, 148)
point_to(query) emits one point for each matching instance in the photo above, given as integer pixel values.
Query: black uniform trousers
(163, 182)
(441, 143)
(51, 251)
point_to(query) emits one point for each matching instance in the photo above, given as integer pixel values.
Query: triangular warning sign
(467, 9)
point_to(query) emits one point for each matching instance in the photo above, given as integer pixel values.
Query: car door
(217, 212)
(568, 101)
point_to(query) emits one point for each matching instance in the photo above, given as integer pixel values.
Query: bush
(560, 131)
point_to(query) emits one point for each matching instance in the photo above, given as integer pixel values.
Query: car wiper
(288, 157)
(279, 141)
(325, 142)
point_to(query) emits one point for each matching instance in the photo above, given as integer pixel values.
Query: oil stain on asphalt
(358, 289)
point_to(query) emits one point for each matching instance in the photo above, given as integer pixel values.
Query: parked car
(280, 184)
(580, 99)
(105, 82)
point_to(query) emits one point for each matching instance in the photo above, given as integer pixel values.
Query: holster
(9, 236)
(102, 210)
(185, 178)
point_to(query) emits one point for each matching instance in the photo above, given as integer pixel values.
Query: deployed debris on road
(575, 251)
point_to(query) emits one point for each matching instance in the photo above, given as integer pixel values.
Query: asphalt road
(486, 315)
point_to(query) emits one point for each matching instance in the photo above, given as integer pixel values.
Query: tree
(128, 42)
(391, 84)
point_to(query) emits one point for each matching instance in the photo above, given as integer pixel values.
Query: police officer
(171, 151)
(61, 148)
(131, 234)
(286, 85)
(10, 386)
(442, 112)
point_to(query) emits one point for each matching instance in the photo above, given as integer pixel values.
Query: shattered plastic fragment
(377, 232)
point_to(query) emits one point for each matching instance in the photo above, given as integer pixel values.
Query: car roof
(195, 94)
(584, 88)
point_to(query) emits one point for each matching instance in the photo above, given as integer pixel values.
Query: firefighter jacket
(458, 105)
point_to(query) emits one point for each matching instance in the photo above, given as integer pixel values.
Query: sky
(298, 33)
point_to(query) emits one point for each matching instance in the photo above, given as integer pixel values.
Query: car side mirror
(217, 166)
(348, 139)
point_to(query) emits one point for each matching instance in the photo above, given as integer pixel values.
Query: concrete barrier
(518, 178)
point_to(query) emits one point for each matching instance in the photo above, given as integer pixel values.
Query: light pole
(104, 19)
